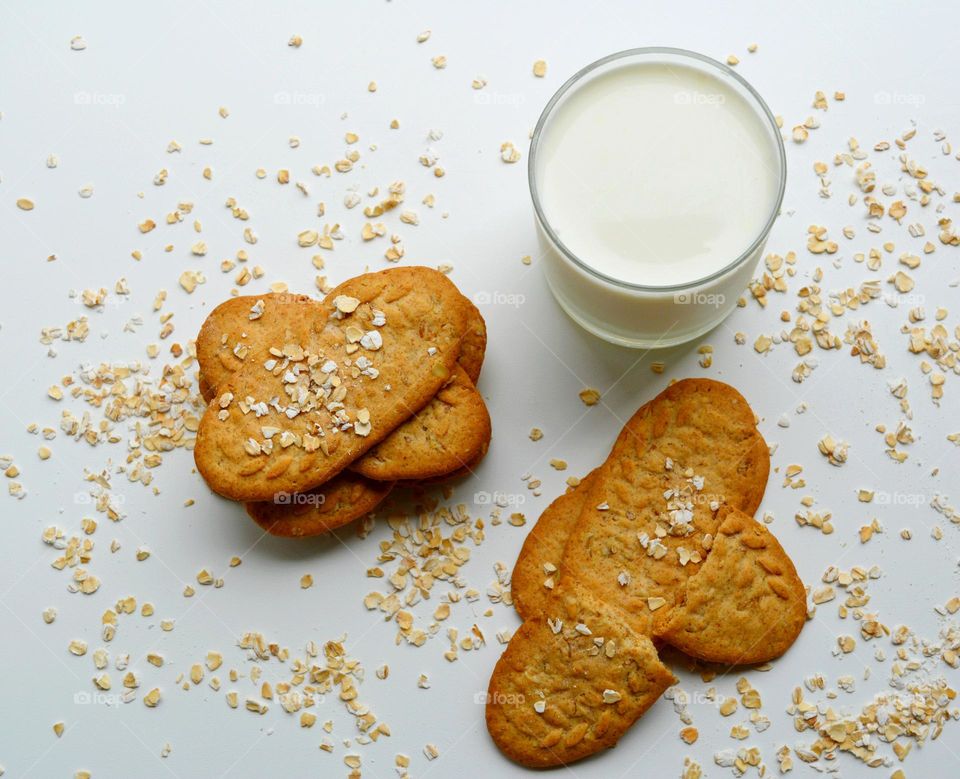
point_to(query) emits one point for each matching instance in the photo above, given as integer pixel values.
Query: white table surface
(149, 76)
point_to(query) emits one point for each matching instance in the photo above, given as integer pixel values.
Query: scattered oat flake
(611, 696)
(835, 451)
(589, 396)
(509, 153)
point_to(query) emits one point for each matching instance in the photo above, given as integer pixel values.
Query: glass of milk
(656, 175)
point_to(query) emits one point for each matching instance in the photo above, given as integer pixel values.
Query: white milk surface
(656, 174)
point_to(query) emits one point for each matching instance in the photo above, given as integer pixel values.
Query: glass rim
(724, 70)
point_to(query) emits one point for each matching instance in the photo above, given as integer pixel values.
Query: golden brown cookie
(440, 439)
(333, 388)
(746, 604)
(571, 683)
(689, 451)
(537, 570)
(338, 502)
(233, 331)
(451, 431)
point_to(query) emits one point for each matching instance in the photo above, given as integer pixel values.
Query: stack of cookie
(656, 546)
(317, 409)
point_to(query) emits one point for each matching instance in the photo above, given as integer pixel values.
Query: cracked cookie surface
(653, 544)
(746, 604)
(572, 683)
(652, 508)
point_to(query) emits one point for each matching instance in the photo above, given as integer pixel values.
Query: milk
(654, 171)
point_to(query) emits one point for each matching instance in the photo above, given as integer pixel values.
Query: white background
(160, 73)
